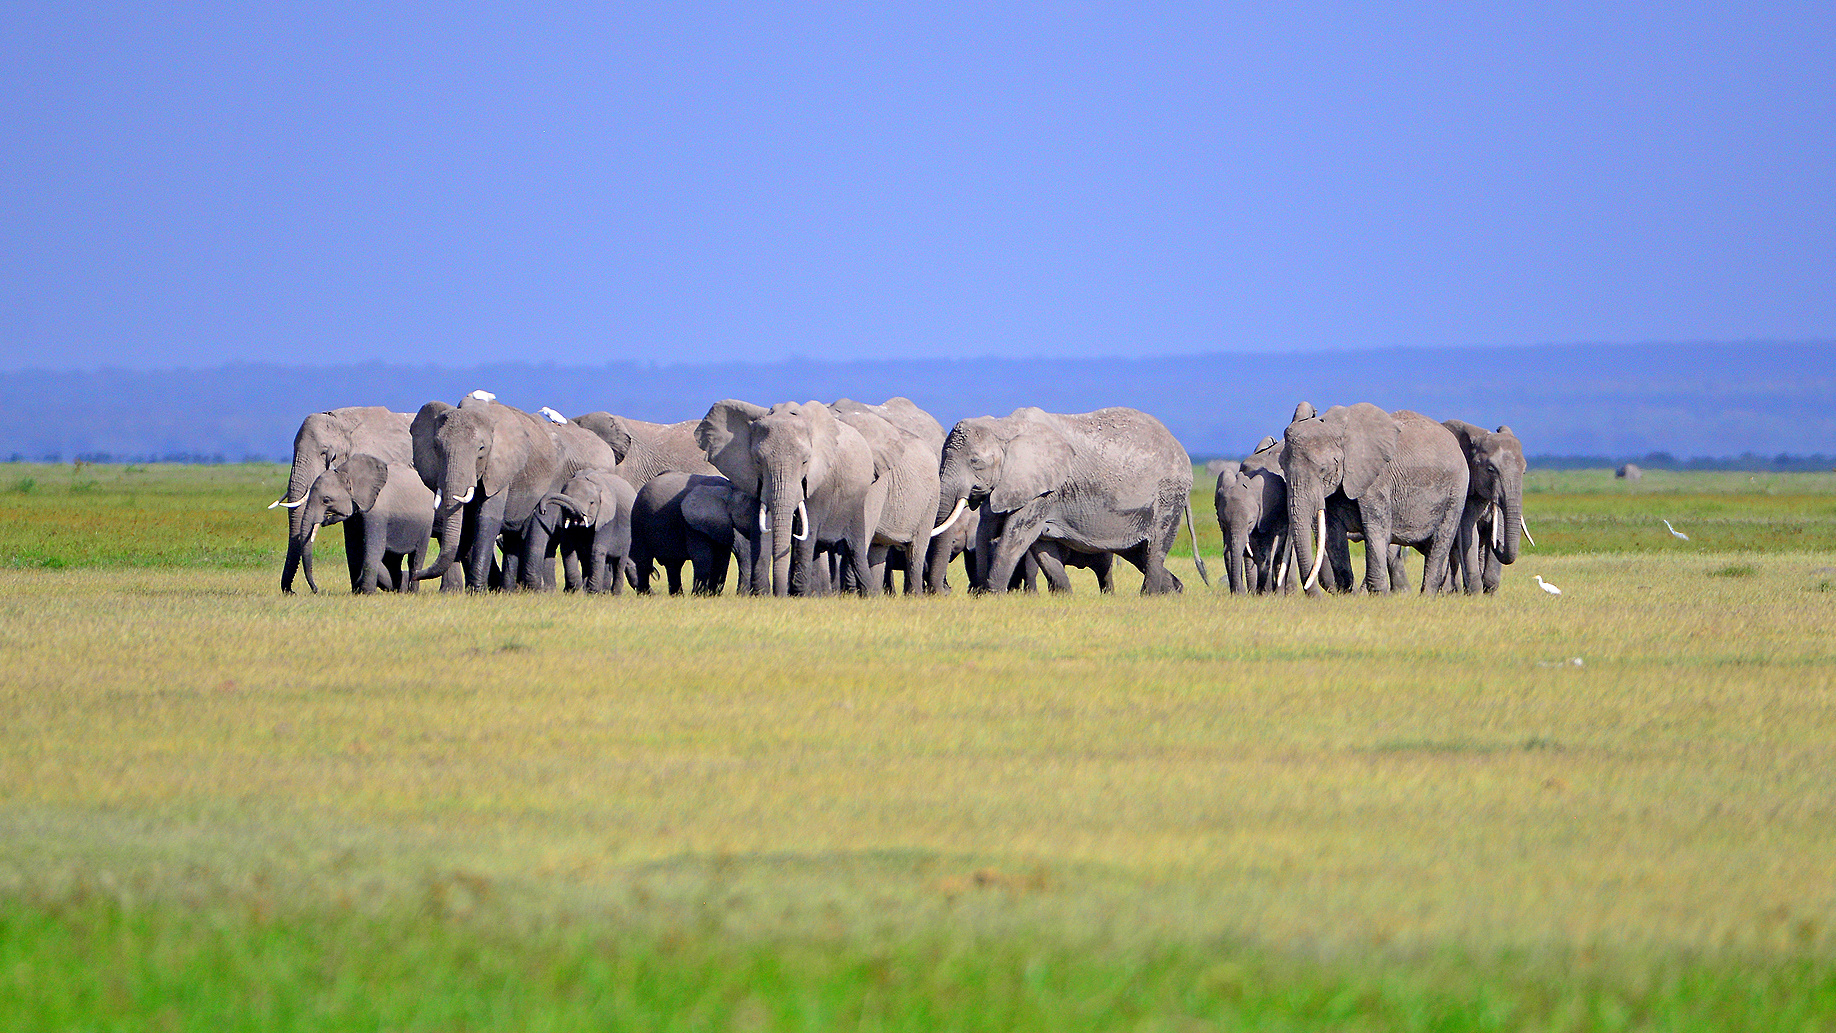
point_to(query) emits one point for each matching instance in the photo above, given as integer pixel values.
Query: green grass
(221, 808)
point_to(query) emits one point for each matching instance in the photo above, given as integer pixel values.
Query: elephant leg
(1018, 533)
(355, 549)
(1103, 564)
(1494, 572)
(1434, 579)
(571, 565)
(1156, 578)
(1052, 566)
(1376, 552)
(672, 570)
(1467, 545)
(1399, 569)
(879, 570)
(710, 562)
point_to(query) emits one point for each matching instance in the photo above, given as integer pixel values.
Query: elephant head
(1251, 495)
(325, 440)
(783, 457)
(1345, 449)
(475, 452)
(337, 495)
(1495, 470)
(999, 464)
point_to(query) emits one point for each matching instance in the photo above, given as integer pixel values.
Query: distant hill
(1562, 400)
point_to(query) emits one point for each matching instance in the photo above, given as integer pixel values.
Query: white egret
(1546, 586)
(553, 416)
(484, 396)
(1674, 532)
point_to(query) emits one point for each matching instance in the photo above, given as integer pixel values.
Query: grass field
(220, 808)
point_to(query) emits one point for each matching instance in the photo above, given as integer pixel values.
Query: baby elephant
(388, 518)
(589, 522)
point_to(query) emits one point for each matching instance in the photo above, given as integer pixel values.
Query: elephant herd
(812, 499)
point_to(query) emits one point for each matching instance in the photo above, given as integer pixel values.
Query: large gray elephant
(1252, 507)
(1395, 478)
(491, 464)
(645, 450)
(1493, 517)
(1114, 480)
(907, 446)
(588, 522)
(327, 439)
(808, 469)
(387, 515)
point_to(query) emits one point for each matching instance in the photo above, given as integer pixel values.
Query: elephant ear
(515, 437)
(364, 475)
(826, 440)
(422, 431)
(1035, 464)
(725, 434)
(611, 429)
(1267, 442)
(1371, 439)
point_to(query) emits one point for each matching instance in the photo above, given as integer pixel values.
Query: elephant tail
(1197, 560)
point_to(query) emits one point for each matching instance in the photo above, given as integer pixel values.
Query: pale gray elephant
(588, 522)
(1493, 518)
(1395, 478)
(907, 446)
(808, 470)
(327, 439)
(1252, 508)
(387, 515)
(491, 464)
(699, 520)
(1114, 480)
(645, 450)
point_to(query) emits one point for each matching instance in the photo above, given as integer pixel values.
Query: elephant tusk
(284, 504)
(1526, 527)
(1497, 529)
(805, 514)
(1281, 570)
(467, 497)
(961, 504)
(313, 535)
(1319, 555)
(764, 520)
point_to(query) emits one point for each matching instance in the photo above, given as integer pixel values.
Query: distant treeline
(1746, 462)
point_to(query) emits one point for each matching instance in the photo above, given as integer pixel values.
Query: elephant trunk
(292, 565)
(452, 523)
(307, 466)
(1513, 526)
(781, 495)
(311, 516)
(306, 558)
(1304, 504)
(1236, 547)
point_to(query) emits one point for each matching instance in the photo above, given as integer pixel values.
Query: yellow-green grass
(216, 516)
(1024, 812)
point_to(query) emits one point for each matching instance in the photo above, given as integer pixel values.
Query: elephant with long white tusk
(328, 439)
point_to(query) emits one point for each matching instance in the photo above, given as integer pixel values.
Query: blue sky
(205, 183)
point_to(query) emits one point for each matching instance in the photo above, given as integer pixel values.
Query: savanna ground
(225, 809)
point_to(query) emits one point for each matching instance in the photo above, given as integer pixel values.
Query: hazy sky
(313, 183)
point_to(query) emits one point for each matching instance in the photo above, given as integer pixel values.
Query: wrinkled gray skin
(1401, 474)
(800, 454)
(645, 450)
(1492, 521)
(589, 523)
(387, 515)
(506, 461)
(699, 520)
(1114, 480)
(325, 440)
(907, 445)
(1252, 507)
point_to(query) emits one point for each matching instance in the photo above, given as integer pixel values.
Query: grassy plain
(220, 808)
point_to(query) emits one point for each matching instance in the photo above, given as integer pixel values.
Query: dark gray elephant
(699, 520)
(387, 515)
(907, 446)
(491, 465)
(1114, 480)
(1394, 478)
(588, 522)
(1252, 507)
(1493, 518)
(808, 470)
(327, 439)
(645, 450)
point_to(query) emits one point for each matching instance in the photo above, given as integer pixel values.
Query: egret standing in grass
(1674, 533)
(1546, 586)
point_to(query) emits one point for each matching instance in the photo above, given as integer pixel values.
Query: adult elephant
(491, 464)
(808, 469)
(644, 450)
(328, 439)
(1114, 480)
(907, 445)
(387, 515)
(1252, 507)
(1493, 517)
(1398, 478)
